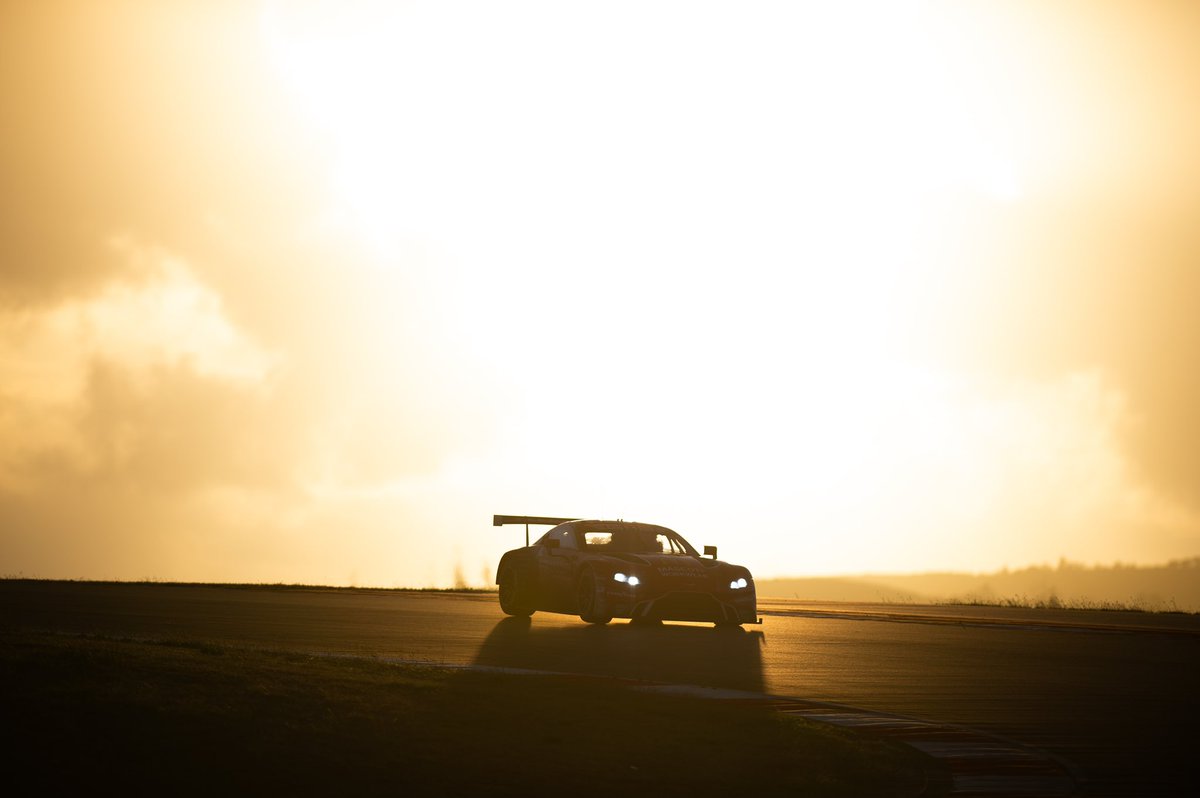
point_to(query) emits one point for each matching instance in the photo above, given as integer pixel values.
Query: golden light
(680, 246)
(840, 287)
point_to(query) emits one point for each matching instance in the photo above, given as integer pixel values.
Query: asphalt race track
(1116, 695)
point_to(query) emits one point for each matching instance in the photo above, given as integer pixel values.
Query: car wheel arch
(598, 613)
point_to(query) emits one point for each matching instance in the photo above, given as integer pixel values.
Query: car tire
(513, 593)
(593, 606)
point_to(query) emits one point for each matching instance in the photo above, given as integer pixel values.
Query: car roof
(611, 526)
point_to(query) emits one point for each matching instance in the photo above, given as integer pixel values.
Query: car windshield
(636, 540)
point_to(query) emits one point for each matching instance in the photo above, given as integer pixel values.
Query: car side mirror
(551, 544)
(710, 551)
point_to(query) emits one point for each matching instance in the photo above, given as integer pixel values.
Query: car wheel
(591, 601)
(512, 602)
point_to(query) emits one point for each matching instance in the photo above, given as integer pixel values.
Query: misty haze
(896, 303)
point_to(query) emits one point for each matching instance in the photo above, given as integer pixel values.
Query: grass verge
(1053, 602)
(195, 718)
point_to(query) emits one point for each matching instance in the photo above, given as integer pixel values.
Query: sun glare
(701, 248)
(879, 285)
(554, 159)
(659, 240)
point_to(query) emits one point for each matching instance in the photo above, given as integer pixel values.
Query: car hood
(672, 566)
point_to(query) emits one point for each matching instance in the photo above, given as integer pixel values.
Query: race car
(602, 570)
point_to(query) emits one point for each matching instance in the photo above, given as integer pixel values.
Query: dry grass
(195, 718)
(1053, 602)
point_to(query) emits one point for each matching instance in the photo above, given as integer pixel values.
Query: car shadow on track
(711, 657)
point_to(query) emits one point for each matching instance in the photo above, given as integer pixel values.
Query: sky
(304, 292)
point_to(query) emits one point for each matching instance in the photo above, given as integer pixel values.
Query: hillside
(1171, 587)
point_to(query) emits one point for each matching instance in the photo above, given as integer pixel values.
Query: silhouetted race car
(602, 570)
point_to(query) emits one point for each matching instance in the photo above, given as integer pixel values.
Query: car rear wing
(537, 520)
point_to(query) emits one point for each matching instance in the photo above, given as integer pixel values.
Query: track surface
(1116, 695)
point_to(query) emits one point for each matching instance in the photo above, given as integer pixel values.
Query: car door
(557, 563)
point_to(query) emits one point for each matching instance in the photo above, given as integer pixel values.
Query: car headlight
(738, 583)
(632, 581)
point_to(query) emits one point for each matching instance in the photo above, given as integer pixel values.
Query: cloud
(158, 314)
(122, 118)
(1066, 283)
(1039, 472)
(149, 434)
(120, 409)
(110, 483)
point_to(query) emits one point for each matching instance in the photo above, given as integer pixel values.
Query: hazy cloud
(1059, 285)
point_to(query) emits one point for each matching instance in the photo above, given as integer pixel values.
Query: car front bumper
(685, 605)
